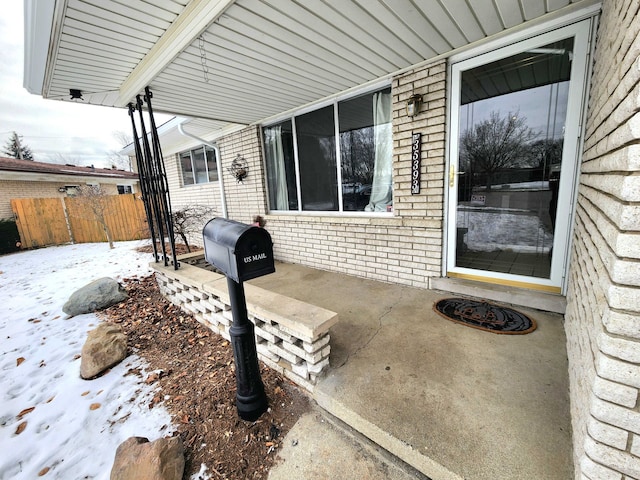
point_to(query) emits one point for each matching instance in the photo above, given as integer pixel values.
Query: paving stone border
(292, 337)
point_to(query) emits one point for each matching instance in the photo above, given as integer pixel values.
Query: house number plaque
(416, 160)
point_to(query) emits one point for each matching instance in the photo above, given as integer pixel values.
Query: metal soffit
(257, 58)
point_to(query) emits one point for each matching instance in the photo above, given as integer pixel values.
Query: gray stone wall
(603, 312)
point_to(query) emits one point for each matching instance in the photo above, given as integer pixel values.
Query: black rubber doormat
(485, 316)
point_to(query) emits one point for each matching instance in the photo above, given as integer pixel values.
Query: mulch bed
(196, 382)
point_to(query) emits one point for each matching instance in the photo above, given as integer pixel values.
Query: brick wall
(407, 247)
(27, 189)
(603, 313)
(205, 194)
(404, 248)
(244, 200)
(247, 199)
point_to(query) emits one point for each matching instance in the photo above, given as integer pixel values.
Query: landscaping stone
(139, 459)
(99, 294)
(106, 345)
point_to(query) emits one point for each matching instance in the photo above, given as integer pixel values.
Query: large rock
(105, 346)
(99, 294)
(139, 459)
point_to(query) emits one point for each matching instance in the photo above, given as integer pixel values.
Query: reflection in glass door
(510, 157)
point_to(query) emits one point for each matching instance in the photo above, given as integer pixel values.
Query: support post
(251, 399)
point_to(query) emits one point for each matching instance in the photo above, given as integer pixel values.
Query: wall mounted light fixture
(413, 104)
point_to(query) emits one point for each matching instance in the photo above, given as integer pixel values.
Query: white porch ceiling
(246, 60)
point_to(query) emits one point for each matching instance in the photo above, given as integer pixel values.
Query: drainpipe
(223, 201)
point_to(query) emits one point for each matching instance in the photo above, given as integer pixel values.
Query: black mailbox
(240, 251)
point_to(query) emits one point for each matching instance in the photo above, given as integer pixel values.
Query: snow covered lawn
(53, 424)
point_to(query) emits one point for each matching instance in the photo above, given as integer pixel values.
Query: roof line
(38, 18)
(30, 166)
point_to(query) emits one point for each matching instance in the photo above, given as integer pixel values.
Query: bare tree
(357, 148)
(189, 220)
(96, 200)
(116, 157)
(546, 152)
(495, 144)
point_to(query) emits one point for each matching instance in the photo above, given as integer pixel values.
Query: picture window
(314, 166)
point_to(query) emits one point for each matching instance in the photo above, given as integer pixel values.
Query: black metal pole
(251, 400)
(153, 182)
(163, 184)
(144, 181)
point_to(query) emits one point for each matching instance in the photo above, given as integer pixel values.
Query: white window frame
(193, 170)
(311, 108)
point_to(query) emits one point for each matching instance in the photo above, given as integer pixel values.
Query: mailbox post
(241, 252)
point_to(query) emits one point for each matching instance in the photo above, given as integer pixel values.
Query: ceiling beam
(193, 20)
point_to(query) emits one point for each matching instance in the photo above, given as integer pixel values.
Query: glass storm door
(514, 147)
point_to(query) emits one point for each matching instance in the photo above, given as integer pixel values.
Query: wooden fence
(55, 221)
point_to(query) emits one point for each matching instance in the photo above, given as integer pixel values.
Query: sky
(56, 131)
(71, 427)
(545, 109)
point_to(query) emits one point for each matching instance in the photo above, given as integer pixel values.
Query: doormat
(485, 316)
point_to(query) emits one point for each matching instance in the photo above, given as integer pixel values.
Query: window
(281, 168)
(198, 165)
(315, 135)
(71, 190)
(122, 189)
(314, 166)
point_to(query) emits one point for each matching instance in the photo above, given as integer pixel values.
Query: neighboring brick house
(559, 220)
(29, 179)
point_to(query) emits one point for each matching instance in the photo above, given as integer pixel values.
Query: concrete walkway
(320, 447)
(452, 402)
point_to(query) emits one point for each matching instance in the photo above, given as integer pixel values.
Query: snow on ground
(75, 425)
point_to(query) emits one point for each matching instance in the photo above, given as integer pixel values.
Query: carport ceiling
(246, 60)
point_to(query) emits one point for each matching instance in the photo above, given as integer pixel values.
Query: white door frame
(581, 31)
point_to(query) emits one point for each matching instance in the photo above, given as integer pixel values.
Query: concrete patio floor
(451, 401)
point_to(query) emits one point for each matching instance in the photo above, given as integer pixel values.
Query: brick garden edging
(292, 337)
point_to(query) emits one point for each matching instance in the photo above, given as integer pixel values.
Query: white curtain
(382, 187)
(277, 174)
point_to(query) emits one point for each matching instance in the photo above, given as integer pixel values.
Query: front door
(515, 116)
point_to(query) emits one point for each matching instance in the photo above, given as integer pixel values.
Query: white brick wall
(405, 248)
(603, 313)
(292, 337)
(244, 200)
(206, 194)
(247, 199)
